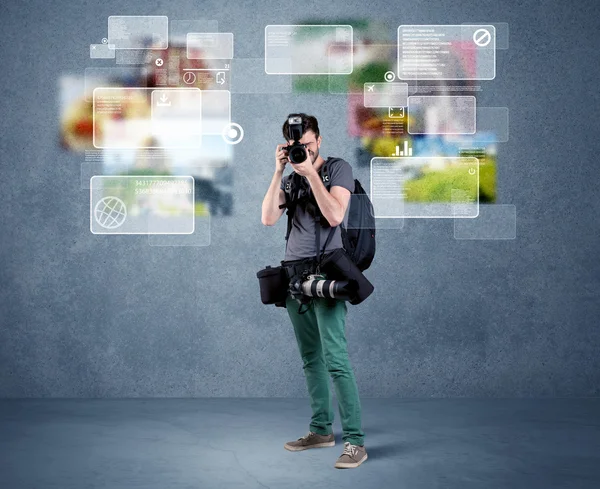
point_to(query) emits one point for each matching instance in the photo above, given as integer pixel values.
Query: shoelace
(349, 449)
(306, 437)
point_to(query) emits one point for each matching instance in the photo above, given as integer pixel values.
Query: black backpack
(358, 238)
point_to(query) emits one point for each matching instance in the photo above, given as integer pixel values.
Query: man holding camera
(320, 329)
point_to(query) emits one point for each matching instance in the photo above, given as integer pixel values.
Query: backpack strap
(324, 171)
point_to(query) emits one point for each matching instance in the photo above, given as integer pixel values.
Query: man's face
(312, 144)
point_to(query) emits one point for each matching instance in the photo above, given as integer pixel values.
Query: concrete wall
(89, 316)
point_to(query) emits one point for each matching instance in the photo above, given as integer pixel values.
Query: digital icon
(104, 40)
(482, 37)
(163, 101)
(396, 112)
(110, 212)
(159, 62)
(407, 151)
(389, 76)
(220, 77)
(370, 88)
(189, 77)
(471, 171)
(232, 133)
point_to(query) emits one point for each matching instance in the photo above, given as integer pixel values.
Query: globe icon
(110, 212)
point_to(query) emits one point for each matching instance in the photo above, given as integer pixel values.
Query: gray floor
(238, 443)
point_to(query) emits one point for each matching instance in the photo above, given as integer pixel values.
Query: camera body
(297, 151)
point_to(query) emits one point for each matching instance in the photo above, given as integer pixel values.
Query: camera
(297, 151)
(317, 286)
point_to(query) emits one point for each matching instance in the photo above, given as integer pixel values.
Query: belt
(293, 268)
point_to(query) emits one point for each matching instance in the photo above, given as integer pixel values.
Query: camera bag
(273, 283)
(338, 266)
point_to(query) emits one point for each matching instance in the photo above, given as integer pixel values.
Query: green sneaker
(311, 440)
(353, 456)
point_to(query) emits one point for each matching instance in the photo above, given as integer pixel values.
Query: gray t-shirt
(301, 243)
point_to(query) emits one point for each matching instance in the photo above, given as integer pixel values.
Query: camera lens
(298, 154)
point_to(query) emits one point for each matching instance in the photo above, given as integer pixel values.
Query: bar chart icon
(406, 151)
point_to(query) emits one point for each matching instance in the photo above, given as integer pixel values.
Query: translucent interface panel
(446, 52)
(132, 56)
(389, 223)
(142, 205)
(209, 45)
(425, 187)
(248, 76)
(179, 28)
(376, 122)
(138, 31)
(211, 168)
(441, 114)
(172, 68)
(147, 118)
(123, 76)
(200, 236)
(210, 164)
(394, 94)
(102, 51)
(216, 111)
(371, 62)
(496, 221)
(307, 49)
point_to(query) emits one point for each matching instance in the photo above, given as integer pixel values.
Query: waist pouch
(338, 266)
(273, 283)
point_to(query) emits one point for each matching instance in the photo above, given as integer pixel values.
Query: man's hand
(306, 168)
(281, 158)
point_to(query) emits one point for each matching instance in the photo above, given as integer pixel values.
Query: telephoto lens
(316, 286)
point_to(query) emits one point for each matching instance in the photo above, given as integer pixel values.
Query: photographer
(320, 329)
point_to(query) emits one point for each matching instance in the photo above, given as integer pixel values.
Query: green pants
(322, 342)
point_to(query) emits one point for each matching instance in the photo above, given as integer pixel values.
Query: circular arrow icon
(482, 37)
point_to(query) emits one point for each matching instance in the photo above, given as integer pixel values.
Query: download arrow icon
(162, 101)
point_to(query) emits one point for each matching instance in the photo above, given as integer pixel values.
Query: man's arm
(273, 199)
(275, 196)
(333, 204)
